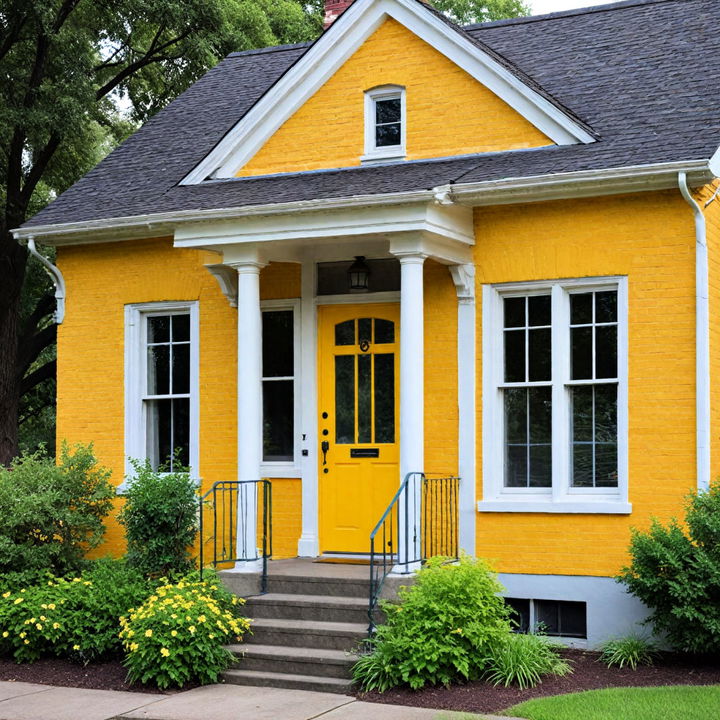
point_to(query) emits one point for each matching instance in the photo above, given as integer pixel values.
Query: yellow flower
(18, 601)
(148, 633)
(22, 634)
(87, 582)
(42, 617)
(192, 628)
(164, 652)
(51, 606)
(27, 642)
(6, 594)
(77, 579)
(76, 647)
(202, 619)
(133, 647)
(38, 626)
(174, 633)
(56, 626)
(6, 633)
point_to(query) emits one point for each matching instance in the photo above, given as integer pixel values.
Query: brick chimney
(333, 10)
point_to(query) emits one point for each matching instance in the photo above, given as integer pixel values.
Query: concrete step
(286, 680)
(319, 585)
(326, 608)
(306, 633)
(293, 660)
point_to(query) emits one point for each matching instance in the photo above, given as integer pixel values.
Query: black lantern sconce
(359, 275)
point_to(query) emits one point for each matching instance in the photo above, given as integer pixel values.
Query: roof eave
(538, 188)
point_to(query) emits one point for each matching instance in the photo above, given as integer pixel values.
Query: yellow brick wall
(650, 238)
(101, 279)
(441, 408)
(448, 111)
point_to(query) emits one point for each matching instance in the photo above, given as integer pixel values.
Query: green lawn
(677, 702)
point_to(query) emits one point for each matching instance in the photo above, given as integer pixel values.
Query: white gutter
(56, 276)
(702, 339)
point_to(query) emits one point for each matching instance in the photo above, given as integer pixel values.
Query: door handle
(324, 446)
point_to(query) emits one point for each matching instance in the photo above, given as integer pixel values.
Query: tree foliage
(76, 77)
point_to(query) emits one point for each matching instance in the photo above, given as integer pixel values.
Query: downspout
(56, 276)
(702, 339)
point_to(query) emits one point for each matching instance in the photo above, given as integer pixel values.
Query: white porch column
(464, 278)
(249, 414)
(412, 406)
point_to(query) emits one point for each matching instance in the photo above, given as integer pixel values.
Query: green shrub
(178, 634)
(15, 581)
(77, 618)
(632, 651)
(160, 520)
(441, 631)
(52, 514)
(523, 660)
(676, 573)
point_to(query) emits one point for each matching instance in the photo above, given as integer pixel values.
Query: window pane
(582, 465)
(581, 308)
(364, 399)
(345, 333)
(514, 356)
(516, 466)
(561, 617)
(365, 330)
(277, 342)
(539, 310)
(158, 360)
(278, 420)
(606, 351)
(514, 312)
(581, 353)
(181, 369)
(385, 398)
(520, 615)
(180, 328)
(605, 413)
(582, 414)
(158, 329)
(387, 111)
(606, 306)
(345, 399)
(387, 135)
(384, 331)
(539, 355)
(540, 466)
(547, 617)
(516, 416)
(158, 420)
(540, 402)
(181, 432)
(606, 474)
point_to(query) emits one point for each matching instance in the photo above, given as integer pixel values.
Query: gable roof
(630, 70)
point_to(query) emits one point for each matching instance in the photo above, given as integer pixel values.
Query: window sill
(578, 507)
(124, 486)
(376, 156)
(277, 471)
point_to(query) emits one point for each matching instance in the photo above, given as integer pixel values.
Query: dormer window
(385, 121)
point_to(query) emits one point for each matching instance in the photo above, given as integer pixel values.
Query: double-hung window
(161, 381)
(280, 329)
(555, 400)
(385, 123)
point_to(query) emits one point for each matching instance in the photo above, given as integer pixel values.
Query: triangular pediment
(542, 121)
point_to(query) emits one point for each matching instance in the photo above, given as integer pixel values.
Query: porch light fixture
(359, 275)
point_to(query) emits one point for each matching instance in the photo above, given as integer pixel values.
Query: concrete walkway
(27, 701)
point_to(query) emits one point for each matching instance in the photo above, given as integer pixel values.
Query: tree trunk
(13, 259)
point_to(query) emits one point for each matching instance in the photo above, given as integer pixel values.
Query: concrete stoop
(304, 632)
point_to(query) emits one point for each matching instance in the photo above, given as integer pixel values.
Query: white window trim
(135, 423)
(390, 152)
(289, 468)
(561, 498)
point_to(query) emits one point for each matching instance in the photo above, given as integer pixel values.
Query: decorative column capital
(411, 258)
(464, 278)
(250, 267)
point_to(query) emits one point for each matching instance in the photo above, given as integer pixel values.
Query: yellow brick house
(489, 253)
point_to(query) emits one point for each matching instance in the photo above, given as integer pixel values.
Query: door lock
(325, 446)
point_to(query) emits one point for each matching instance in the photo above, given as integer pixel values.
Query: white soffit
(333, 48)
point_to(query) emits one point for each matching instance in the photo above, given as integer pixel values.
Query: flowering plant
(178, 634)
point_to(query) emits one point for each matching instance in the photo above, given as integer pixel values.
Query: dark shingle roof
(633, 71)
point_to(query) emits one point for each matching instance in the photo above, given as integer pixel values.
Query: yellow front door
(358, 377)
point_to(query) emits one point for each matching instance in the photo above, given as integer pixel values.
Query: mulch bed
(588, 674)
(106, 675)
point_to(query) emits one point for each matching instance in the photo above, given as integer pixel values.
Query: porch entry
(358, 386)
